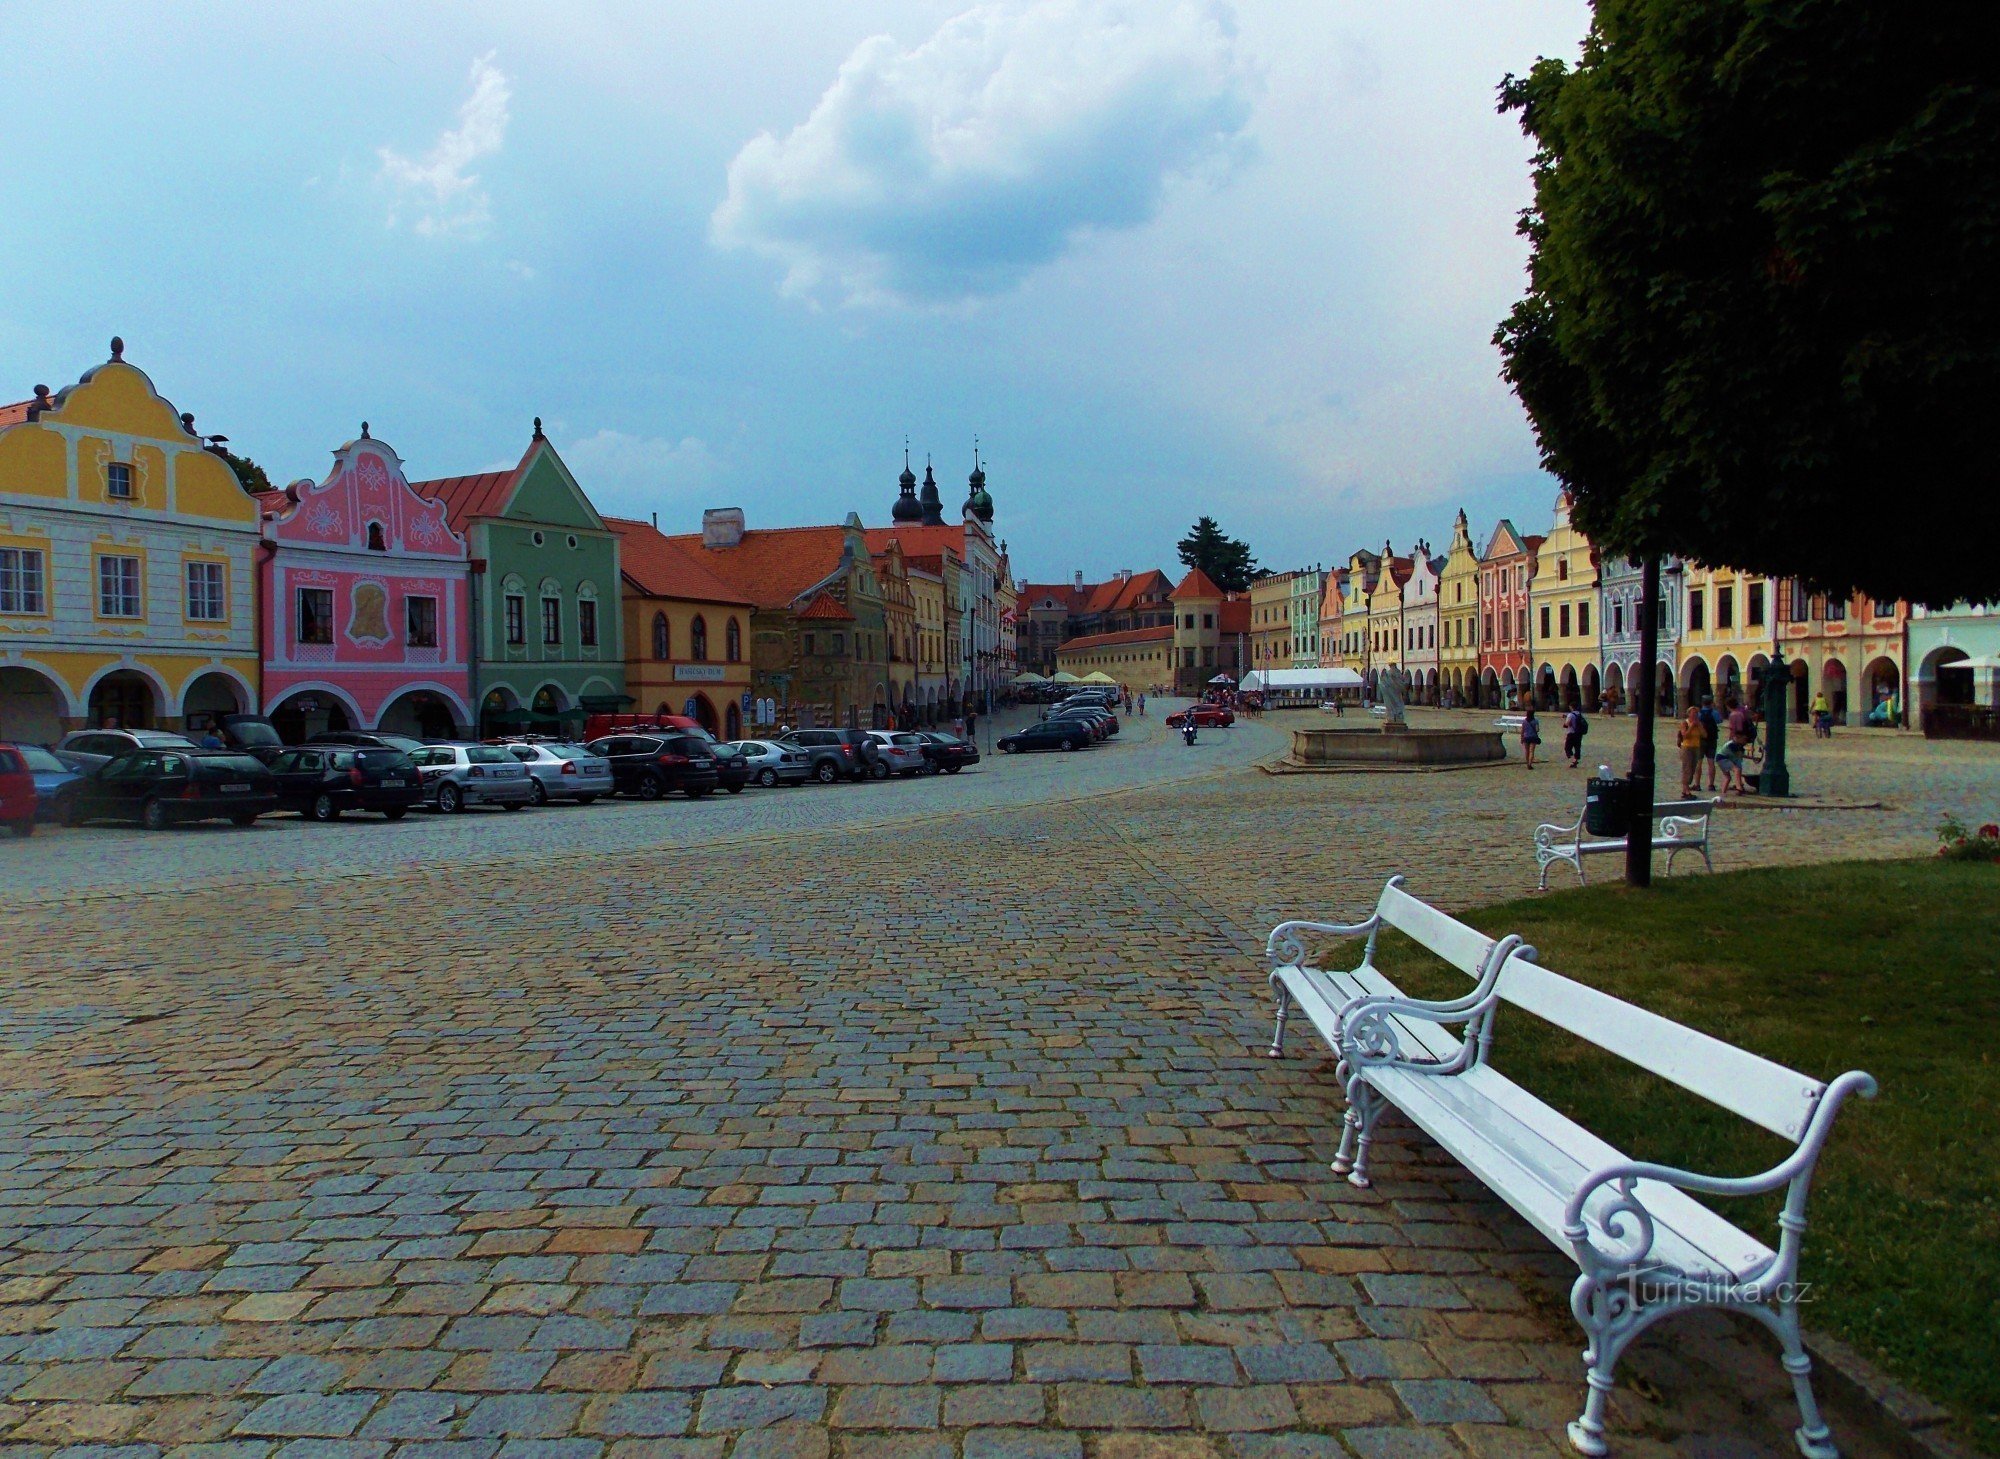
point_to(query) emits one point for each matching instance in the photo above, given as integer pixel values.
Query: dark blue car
(52, 778)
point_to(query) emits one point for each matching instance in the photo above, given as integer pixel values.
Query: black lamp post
(1775, 779)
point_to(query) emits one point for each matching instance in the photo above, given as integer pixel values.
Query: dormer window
(118, 481)
(376, 541)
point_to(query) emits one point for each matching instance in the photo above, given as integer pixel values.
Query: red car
(1206, 716)
(17, 793)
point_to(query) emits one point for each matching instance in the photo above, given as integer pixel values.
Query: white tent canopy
(1300, 681)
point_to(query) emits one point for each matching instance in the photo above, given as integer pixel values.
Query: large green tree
(1225, 559)
(1762, 325)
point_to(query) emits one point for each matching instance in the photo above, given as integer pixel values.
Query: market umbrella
(1222, 679)
(1064, 676)
(1028, 676)
(1098, 676)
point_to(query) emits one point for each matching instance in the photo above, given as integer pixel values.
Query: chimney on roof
(722, 527)
(42, 402)
(656, 521)
(1124, 574)
(1079, 580)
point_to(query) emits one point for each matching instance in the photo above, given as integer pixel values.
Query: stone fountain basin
(1398, 745)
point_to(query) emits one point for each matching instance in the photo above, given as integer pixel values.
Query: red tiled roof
(1130, 635)
(1197, 584)
(13, 415)
(825, 606)
(481, 495)
(660, 569)
(917, 539)
(772, 565)
(274, 502)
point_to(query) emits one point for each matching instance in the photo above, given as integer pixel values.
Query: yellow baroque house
(127, 563)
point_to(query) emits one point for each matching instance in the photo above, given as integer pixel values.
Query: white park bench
(1680, 825)
(1646, 1249)
(1509, 724)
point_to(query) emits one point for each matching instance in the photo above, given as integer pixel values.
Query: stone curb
(1288, 767)
(1797, 803)
(1911, 1423)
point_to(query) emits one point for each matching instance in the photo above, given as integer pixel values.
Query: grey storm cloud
(951, 170)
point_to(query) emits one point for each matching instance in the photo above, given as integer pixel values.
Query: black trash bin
(1607, 806)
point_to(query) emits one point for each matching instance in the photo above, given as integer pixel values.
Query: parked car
(458, 776)
(252, 734)
(902, 752)
(649, 766)
(54, 779)
(1206, 716)
(562, 771)
(732, 770)
(18, 802)
(1048, 734)
(366, 740)
(321, 781)
(839, 754)
(772, 763)
(1101, 723)
(161, 788)
(948, 752)
(92, 749)
(603, 726)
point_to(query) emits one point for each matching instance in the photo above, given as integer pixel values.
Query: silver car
(772, 763)
(457, 776)
(562, 771)
(902, 752)
(94, 749)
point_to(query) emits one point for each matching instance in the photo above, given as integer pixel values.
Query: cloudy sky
(1163, 257)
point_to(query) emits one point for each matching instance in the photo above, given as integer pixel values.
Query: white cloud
(437, 190)
(631, 474)
(952, 170)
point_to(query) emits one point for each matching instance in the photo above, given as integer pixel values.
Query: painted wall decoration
(366, 610)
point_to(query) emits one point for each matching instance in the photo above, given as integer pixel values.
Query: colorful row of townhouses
(1529, 616)
(141, 583)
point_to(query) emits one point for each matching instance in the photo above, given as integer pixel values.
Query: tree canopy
(248, 472)
(1225, 559)
(1762, 326)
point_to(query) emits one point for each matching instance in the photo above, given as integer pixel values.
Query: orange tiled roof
(13, 415)
(916, 539)
(1197, 584)
(1130, 635)
(660, 569)
(826, 607)
(1066, 595)
(771, 565)
(483, 494)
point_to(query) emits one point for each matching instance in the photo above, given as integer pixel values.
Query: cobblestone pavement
(960, 1147)
(1144, 753)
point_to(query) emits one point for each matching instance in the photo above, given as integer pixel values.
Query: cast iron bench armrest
(1368, 1024)
(1286, 948)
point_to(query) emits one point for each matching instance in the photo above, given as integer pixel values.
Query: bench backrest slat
(1743, 1083)
(1682, 808)
(1461, 946)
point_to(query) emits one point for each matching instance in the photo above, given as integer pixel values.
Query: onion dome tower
(906, 508)
(978, 500)
(933, 507)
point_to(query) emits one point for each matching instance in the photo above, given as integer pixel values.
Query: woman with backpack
(1575, 727)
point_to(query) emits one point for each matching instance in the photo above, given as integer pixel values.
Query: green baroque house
(546, 647)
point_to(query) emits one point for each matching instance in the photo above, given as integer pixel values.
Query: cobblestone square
(930, 1129)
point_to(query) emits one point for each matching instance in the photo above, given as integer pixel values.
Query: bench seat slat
(1741, 1082)
(1320, 994)
(1534, 1158)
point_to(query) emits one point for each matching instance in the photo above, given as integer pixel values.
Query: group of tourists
(1574, 726)
(1717, 742)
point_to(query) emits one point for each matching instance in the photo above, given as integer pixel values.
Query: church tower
(906, 508)
(933, 507)
(978, 501)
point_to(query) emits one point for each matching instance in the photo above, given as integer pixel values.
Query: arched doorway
(1755, 689)
(422, 714)
(210, 694)
(1801, 694)
(1728, 681)
(1664, 700)
(1634, 678)
(1489, 689)
(1588, 688)
(1944, 677)
(1695, 680)
(1547, 690)
(1833, 684)
(1510, 692)
(732, 719)
(127, 698)
(309, 712)
(32, 706)
(496, 711)
(703, 713)
(1884, 680)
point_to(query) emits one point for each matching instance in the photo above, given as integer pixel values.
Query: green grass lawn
(1891, 967)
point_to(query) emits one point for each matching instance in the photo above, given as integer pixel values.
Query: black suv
(321, 781)
(161, 788)
(366, 740)
(948, 752)
(649, 766)
(840, 754)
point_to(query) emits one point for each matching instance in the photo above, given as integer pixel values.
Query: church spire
(933, 507)
(978, 500)
(906, 508)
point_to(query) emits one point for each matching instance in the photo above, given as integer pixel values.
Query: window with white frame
(22, 580)
(118, 480)
(315, 615)
(552, 622)
(205, 596)
(420, 622)
(118, 587)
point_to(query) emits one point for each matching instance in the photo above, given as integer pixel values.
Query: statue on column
(1392, 687)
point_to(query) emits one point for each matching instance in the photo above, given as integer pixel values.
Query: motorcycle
(1187, 730)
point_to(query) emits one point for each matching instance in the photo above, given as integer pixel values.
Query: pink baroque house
(363, 587)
